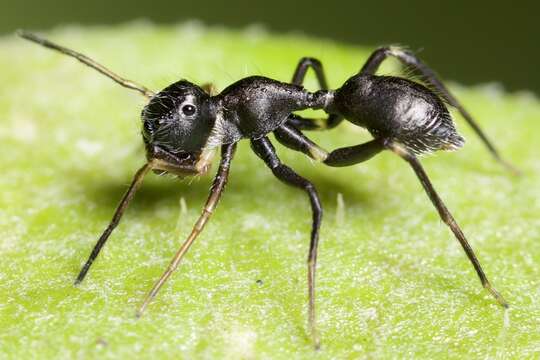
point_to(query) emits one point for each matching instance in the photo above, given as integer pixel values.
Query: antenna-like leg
(87, 61)
(126, 199)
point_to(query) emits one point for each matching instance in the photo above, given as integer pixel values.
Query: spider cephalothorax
(178, 120)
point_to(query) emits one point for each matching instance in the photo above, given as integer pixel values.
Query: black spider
(183, 124)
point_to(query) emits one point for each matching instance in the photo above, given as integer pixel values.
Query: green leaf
(392, 280)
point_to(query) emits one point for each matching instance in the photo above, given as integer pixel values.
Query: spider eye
(188, 109)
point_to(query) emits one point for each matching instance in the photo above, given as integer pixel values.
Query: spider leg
(303, 65)
(429, 76)
(126, 199)
(304, 123)
(220, 180)
(293, 138)
(355, 154)
(290, 136)
(87, 61)
(159, 162)
(265, 150)
(300, 122)
(447, 217)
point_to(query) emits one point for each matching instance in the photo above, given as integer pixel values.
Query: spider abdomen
(398, 109)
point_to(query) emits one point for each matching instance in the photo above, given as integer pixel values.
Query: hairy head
(178, 118)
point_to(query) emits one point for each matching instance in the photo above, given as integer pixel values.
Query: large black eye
(188, 110)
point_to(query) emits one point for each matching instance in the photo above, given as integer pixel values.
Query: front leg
(159, 161)
(265, 150)
(227, 153)
(122, 206)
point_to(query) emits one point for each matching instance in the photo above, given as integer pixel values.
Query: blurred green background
(465, 41)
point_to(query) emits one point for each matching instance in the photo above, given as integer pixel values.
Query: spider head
(176, 125)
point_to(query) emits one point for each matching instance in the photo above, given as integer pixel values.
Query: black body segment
(429, 76)
(179, 118)
(398, 109)
(183, 124)
(256, 106)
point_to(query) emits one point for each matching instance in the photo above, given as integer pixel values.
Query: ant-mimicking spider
(183, 124)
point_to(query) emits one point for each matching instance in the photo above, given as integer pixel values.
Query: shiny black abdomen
(398, 109)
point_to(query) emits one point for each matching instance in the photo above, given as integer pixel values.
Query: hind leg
(447, 217)
(356, 154)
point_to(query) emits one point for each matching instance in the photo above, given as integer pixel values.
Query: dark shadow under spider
(183, 124)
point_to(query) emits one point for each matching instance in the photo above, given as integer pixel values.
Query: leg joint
(310, 61)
